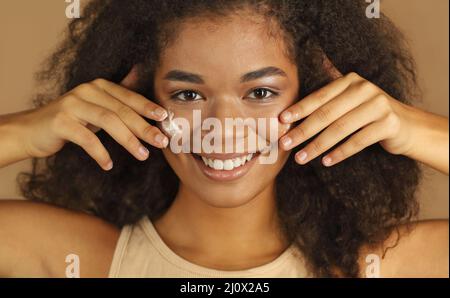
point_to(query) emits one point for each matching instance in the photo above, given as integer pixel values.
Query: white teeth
(218, 164)
(228, 164)
(237, 162)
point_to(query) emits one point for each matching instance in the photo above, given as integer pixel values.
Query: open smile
(225, 167)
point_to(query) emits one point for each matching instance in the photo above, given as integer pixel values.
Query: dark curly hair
(328, 212)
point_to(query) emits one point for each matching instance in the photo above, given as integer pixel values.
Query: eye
(189, 95)
(261, 94)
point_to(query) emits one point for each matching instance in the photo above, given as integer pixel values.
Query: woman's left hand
(347, 105)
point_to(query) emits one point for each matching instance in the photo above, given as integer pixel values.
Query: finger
(111, 123)
(131, 82)
(312, 102)
(131, 118)
(359, 117)
(362, 139)
(325, 115)
(137, 102)
(86, 139)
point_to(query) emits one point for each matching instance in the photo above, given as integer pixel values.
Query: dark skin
(37, 246)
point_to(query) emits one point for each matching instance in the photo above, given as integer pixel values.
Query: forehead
(233, 44)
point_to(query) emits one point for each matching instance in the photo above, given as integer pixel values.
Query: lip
(224, 175)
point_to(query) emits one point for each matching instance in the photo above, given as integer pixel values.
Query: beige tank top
(140, 252)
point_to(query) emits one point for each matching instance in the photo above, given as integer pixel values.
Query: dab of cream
(169, 126)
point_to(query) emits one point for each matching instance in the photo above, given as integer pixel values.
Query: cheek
(178, 162)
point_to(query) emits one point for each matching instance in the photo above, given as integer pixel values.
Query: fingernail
(162, 139)
(143, 152)
(301, 156)
(160, 113)
(327, 161)
(286, 141)
(286, 116)
(109, 165)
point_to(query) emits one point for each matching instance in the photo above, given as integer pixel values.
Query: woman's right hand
(81, 112)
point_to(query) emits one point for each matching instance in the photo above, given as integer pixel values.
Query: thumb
(331, 69)
(131, 79)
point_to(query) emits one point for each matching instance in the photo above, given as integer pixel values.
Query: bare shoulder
(36, 238)
(420, 249)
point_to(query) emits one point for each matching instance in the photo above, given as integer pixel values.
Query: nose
(236, 126)
(228, 110)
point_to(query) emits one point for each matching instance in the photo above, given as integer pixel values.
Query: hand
(89, 107)
(347, 105)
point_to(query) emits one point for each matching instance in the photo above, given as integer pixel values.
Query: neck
(223, 238)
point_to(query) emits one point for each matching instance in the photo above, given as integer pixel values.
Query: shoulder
(419, 249)
(36, 238)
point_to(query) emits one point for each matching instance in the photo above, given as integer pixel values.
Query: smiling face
(228, 68)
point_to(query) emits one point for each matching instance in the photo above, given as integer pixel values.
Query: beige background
(30, 29)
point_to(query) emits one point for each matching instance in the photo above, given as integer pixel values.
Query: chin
(227, 196)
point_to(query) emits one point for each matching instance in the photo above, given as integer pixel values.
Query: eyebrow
(183, 76)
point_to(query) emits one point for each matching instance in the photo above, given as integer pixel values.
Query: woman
(344, 205)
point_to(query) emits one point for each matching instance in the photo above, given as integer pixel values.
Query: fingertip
(143, 152)
(286, 143)
(327, 161)
(108, 166)
(301, 157)
(286, 117)
(159, 114)
(162, 140)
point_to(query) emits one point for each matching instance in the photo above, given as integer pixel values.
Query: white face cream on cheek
(169, 126)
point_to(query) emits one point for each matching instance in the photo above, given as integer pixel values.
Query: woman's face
(211, 68)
